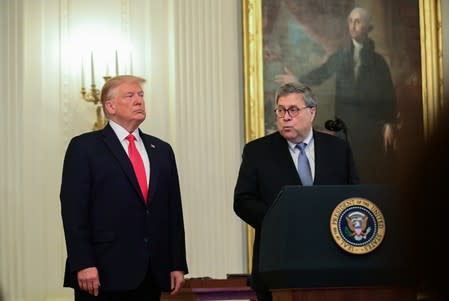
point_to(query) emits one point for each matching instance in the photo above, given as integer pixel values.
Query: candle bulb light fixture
(93, 95)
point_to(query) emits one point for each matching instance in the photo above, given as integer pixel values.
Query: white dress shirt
(122, 133)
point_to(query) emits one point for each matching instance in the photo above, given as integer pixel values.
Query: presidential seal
(357, 225)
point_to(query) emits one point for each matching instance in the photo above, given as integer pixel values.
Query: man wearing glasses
(296, 154)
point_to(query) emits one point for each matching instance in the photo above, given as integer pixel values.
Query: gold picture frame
(431, 72)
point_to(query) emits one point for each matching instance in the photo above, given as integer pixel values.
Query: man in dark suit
(121, 205)
(273, 161)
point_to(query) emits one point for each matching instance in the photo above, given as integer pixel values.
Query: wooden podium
(345, 294)
(300, 261)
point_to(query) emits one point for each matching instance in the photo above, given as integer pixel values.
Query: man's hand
(176, 281)
(287, 77)
(89, 280)
(389, 137)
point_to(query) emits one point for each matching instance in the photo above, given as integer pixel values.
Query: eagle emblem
(357, 225)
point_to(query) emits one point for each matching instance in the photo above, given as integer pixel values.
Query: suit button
(145, 239)
(147, 211)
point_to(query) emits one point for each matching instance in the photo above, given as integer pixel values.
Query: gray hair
(365, 15)
(290, 88)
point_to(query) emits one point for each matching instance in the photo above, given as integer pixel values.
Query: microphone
(335, 125)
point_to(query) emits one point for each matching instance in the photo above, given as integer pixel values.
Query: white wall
(190, 53)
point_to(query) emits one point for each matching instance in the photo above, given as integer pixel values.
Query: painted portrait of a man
(361, 58)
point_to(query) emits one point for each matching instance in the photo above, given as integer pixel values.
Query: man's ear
(109, 107)
(313, 113)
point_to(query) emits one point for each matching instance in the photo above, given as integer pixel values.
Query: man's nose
(286, 117)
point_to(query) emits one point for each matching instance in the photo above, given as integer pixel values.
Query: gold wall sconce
(93, 94)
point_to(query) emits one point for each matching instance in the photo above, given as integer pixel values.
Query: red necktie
(137, 163)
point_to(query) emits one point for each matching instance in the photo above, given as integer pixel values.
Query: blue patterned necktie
(303, 166)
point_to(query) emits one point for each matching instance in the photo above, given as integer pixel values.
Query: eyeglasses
(292, 111)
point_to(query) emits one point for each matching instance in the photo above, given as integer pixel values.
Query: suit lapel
(153, 153)
(119, 153)
(285, 158)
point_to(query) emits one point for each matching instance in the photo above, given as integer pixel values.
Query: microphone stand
(344, 128)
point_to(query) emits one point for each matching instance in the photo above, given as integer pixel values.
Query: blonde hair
(108, 90)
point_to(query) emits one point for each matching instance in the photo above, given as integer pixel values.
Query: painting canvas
(312, 41)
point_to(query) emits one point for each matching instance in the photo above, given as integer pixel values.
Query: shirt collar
(307, 140)
(121, 132)
(356, 44)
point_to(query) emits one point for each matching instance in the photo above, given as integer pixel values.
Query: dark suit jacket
(267, 166)
(106, 222)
